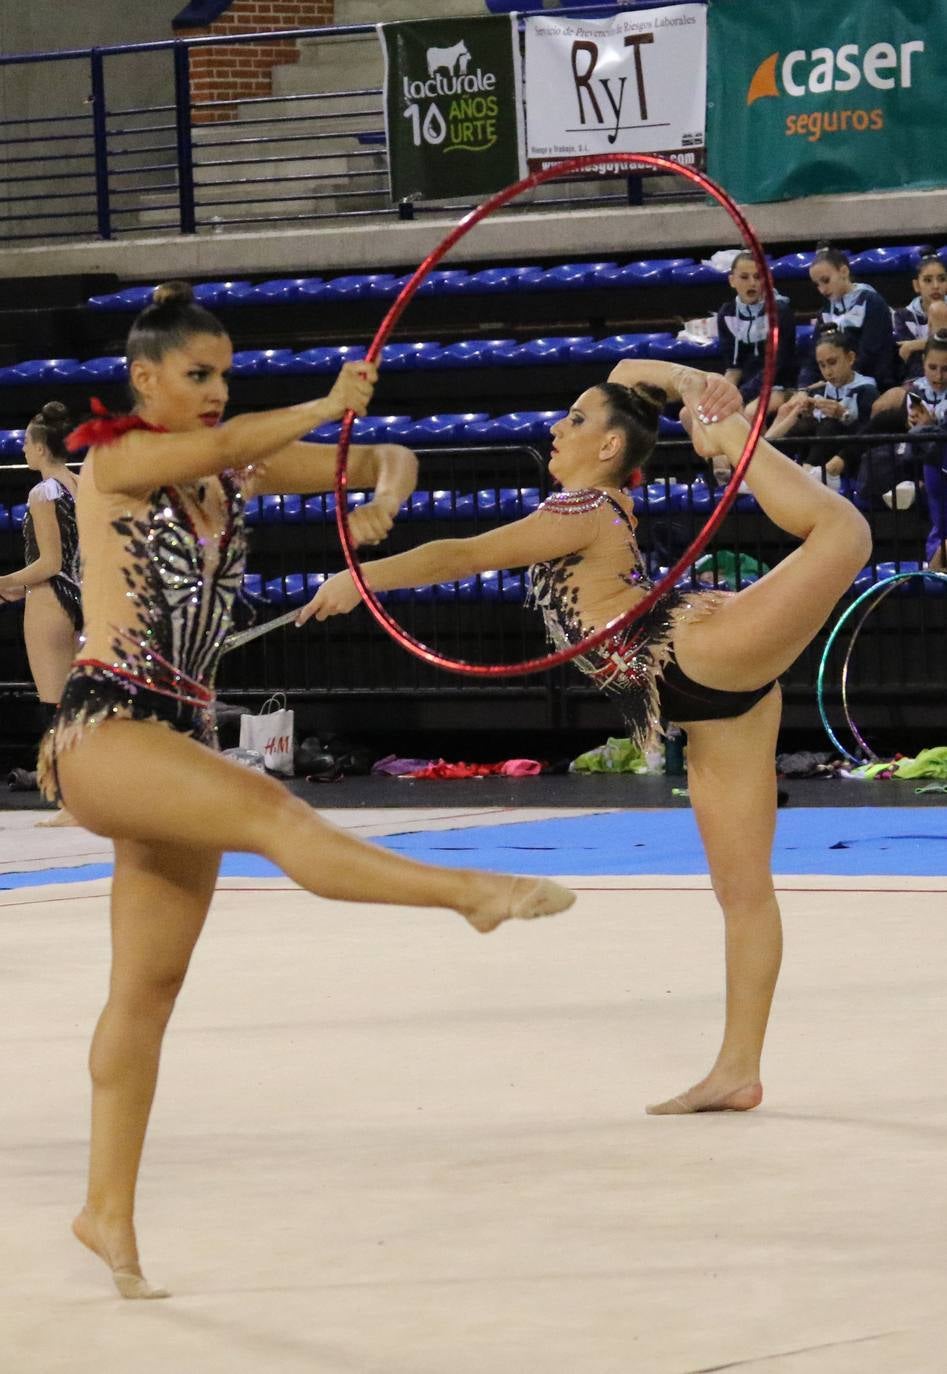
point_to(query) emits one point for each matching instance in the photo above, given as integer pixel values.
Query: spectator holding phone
(839, 404)
(858, 310)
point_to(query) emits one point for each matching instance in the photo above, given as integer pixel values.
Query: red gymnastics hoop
(536, 665)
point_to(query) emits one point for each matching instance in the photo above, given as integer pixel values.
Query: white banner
(632, 84)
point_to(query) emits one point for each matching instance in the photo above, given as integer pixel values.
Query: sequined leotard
(152, 643)
(580, 592)
(65, 583)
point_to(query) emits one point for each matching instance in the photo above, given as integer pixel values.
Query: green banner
(822, 97)
(453, 106)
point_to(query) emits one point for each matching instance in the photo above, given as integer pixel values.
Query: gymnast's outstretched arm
(143, 460)
(535, 538)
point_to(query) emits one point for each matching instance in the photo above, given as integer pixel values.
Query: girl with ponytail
(49, 580)
(703, 660)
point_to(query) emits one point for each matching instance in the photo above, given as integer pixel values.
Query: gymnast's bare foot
(492, 898)
(60, 817)
(117, 1240)
(713, 1094)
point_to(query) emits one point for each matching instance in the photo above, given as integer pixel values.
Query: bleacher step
(347, 63)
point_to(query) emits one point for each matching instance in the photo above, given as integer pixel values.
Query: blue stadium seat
(654, 497)
(252, 584)
(17, 513)
(437, 429)
(453, 505)
(282, 290)
(498, 350)
(670, 348)
(49, 370)
(899, 259)
(11, 443)
(132, 298)
(467, 353)
(6, 523)
(515, 502)
(215, 294)
(280, 510)
(446, 282)
(647, 272)
(792, 266)
(503, 279)
(607, 350)
(327, 360)
(292, 589)
(418, 506)
(671, 428)
(260, 362)
(322, 505)
(408, 357)
(574, 276)
(361, 286)
(539, 351)
(518, 426)
(110, 369)
(697, 274)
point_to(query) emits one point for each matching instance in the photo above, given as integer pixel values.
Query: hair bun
(173, 293)
(653, 398)
(54, 413)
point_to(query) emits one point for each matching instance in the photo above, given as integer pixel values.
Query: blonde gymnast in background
(707, 661)
(160, 509)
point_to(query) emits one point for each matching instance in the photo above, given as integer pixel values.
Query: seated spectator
(839, 404)
(910, 322)
(928, 422)
(857, 309)
(889, 413)
(742, 329)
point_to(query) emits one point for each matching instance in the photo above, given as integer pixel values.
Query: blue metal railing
(123, 174)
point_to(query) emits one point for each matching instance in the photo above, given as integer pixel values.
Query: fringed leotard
(152, 642)
(581, 592)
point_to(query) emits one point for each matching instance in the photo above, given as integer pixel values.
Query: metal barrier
(902, 655)
(286, 160)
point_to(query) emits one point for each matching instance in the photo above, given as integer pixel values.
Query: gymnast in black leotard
(705, 660)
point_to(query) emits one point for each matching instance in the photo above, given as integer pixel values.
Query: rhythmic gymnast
(160, 510)
(706, 661)
(52, 617)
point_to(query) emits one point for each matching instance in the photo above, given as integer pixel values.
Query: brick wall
(236, 73)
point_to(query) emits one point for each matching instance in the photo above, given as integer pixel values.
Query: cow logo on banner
(827, 98)
(453, 107)
(631, 84)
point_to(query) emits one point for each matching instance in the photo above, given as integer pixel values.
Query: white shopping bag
(271, 734)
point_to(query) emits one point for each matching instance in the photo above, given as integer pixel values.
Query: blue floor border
(842, 841)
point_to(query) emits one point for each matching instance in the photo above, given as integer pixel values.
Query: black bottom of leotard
(682, 699)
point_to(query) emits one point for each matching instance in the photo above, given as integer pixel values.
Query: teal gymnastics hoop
(881, 590)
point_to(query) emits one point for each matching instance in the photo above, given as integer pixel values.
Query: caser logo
(802, 73)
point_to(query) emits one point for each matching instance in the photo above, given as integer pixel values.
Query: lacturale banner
(453, 106)
(635, 83)
(820, 97)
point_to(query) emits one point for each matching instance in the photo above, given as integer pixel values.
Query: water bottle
(674, 752)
